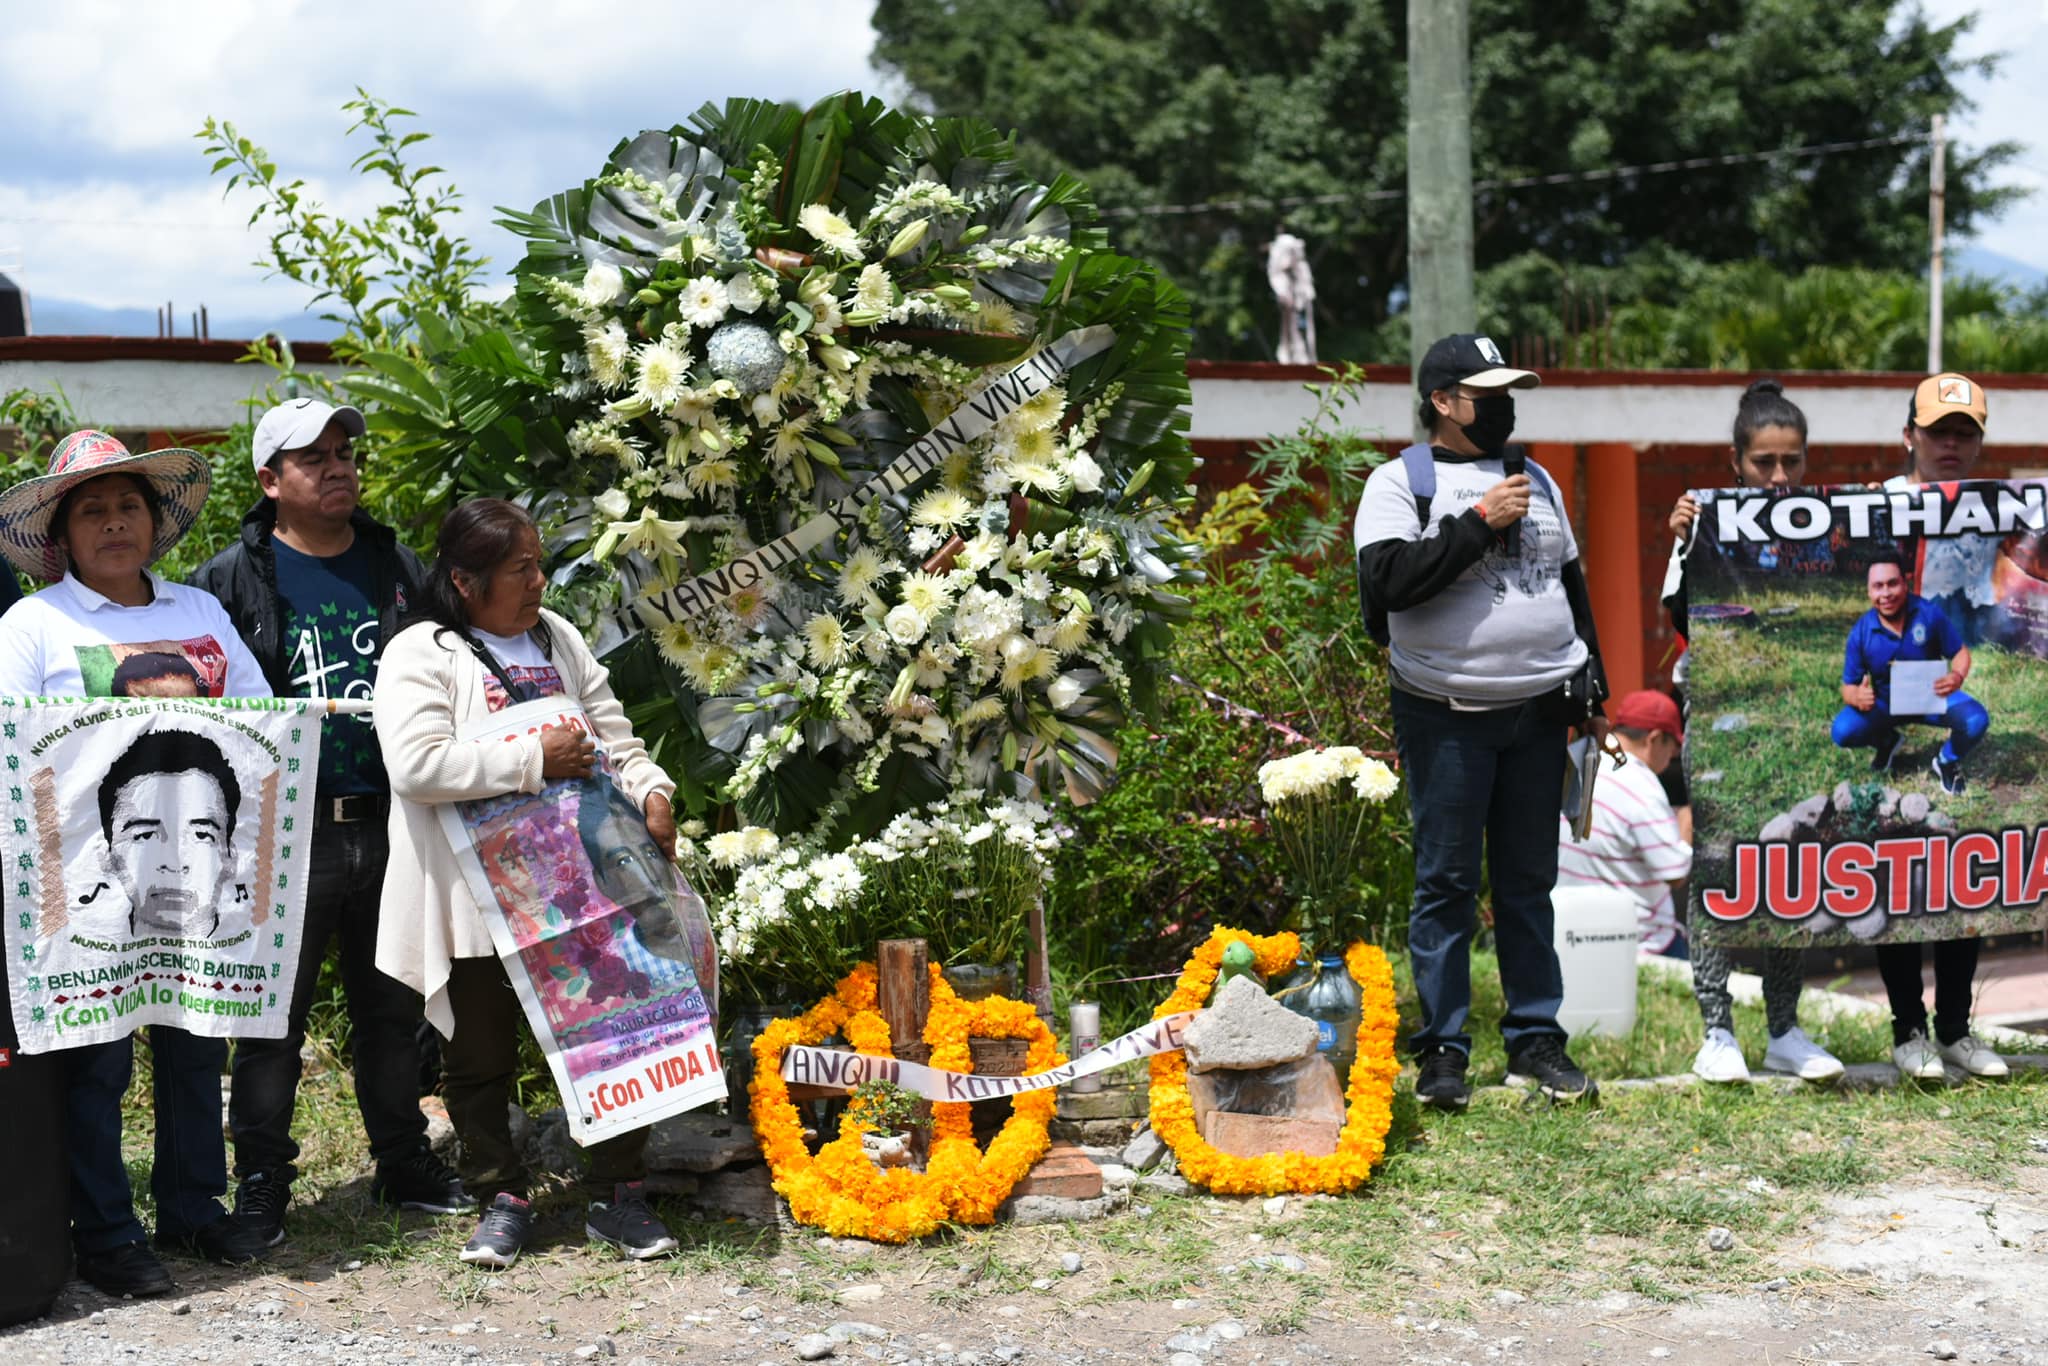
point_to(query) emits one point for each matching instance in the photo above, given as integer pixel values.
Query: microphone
(1513, 461)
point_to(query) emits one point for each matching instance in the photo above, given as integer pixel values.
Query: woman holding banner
(90, 528)
(486, 643)
(1768, 451)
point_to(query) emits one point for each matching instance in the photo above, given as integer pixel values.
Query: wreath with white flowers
(735, 324)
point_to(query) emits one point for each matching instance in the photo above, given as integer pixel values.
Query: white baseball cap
(299, 422)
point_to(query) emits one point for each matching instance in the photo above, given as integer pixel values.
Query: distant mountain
(1991, 265)
(69, 318)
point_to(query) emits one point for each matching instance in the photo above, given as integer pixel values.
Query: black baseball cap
(1469, 358)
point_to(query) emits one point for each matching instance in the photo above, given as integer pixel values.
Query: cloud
(2012, 106)
(105, 197)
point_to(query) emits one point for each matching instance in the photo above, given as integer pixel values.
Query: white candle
(1084, 1023)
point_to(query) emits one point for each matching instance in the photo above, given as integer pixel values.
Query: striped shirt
(1633, 845)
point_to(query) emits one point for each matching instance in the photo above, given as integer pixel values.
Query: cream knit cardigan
(427, 690)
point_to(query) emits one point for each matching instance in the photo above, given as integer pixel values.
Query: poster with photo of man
(606, 945)
(154, 851)
(1865, 765)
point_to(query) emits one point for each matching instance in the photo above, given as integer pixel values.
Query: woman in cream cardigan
(485, 643)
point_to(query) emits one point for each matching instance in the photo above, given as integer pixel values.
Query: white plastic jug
(1596, 936)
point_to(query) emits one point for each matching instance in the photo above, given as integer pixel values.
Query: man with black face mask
(1492, 653)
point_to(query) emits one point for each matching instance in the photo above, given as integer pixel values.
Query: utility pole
(1439, 173)
(1937, 216)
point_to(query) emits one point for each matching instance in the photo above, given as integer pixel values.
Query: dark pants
(478, 1064)
(1955, 970)
(342, 892)
(1486, 782)
(190, 1172)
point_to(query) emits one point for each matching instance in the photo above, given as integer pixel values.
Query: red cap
(1649, 711)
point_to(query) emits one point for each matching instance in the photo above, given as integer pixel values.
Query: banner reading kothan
(1868, 690)
(607, 947)
(156, 856)
(984, 408)
(837, 1067)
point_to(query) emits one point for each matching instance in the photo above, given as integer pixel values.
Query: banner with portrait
(606, 944)
(156, 854)
(1867, 738)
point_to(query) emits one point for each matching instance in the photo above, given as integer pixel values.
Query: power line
(1817, 149)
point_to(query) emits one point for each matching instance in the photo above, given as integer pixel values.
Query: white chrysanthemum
(1036, 585)
(997, 315)
(864, 569)
(941, 507)
(712, 475)
(607, 349)
(749, 606)
(1036, 476)
(824, 641)
(982, 710)
(743, 292)
(602, 285)
(1071, 633)
(923, 541)
(703, 302)
(831, 230)
(1040, 412)
(1034, 446)
(1024, 666)
(728, 848)
(905, 624)
(663, 373)
(872, 291)
(1374, 781)
(928, 594)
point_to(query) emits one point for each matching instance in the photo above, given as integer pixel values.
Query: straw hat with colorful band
(180, 478)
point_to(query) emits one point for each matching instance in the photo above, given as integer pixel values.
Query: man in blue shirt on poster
(316, 587)
(1899, 628)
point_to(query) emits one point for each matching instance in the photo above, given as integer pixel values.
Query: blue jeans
(1490, 780)
(1966, 720)
(190, 1172)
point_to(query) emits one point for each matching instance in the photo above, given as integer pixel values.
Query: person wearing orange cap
(1944, 437)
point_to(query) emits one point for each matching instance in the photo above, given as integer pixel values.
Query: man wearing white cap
(316, 587)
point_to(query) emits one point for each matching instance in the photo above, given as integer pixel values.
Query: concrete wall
(146, 383)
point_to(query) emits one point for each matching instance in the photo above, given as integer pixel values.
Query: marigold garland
(1368, 1100)
(839, 1189)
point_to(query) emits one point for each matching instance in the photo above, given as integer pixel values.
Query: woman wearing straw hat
(90, 528)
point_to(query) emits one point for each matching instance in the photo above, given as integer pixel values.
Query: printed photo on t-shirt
(535, 681)
(155, 668)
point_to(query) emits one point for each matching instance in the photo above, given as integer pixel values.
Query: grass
(1554, 1203)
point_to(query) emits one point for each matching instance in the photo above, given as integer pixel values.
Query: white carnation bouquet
(1321, 804)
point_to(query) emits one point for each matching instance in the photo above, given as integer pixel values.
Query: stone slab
(700, 1142)
(1257, 1135)
(1244, 1027)
(1026, 1210)
(1111, 1102)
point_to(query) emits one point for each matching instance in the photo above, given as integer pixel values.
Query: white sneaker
(1720, 1058)
(1917, 1059)
(1793, 1052)
(1974, 1056)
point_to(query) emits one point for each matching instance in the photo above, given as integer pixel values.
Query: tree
(1173, 103)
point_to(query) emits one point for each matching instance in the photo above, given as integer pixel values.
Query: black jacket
(244, 578)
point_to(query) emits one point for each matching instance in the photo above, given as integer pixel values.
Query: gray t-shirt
(1502, 632)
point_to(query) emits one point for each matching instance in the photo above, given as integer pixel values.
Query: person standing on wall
(316, 587)
(1493, 656)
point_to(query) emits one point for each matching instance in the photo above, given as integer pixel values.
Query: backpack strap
(1419, 462)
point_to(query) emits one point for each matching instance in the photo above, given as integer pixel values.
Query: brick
(1064, 1172)
(1257, 1135)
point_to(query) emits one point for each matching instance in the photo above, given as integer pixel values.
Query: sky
(104, 193)
(105, 198)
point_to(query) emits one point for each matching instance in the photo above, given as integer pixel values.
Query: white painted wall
(1644, 414)
(188, 396)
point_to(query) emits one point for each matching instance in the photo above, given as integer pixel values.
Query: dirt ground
(1909, 1273)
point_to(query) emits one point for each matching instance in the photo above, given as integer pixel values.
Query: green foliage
(1178, 102)
(881, 1105)
(1273, 659)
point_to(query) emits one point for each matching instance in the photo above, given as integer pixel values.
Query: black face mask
(1493, 422)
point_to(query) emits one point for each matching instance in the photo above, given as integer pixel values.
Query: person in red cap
(1634, 843)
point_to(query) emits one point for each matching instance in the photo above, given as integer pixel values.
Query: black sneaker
(1950, 774)
(420, 1181)
(260, 1204)
(1887, 750)
(1543, 1063)
(628, 1224)
(500, 1234)
(1440, 1081)
(227, 1241)
(130, 1270)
